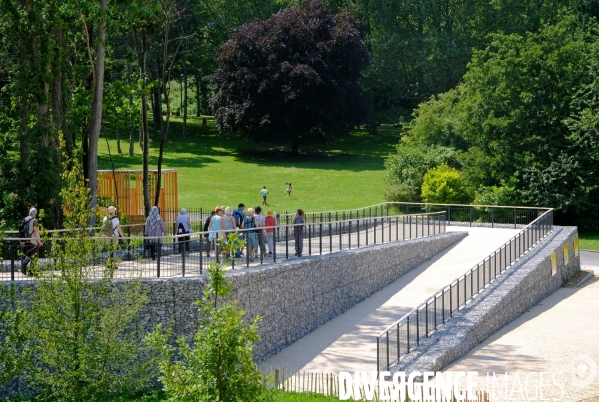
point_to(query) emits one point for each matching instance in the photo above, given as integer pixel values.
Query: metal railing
(457, 214)
(402, 337)
(171, 258)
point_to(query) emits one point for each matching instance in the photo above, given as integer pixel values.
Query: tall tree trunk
(58, 116)
(198, 96)
(146, 147)
(118, 140)
(184, 95)
(96, 113)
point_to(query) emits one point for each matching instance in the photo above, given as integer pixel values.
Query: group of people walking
(259, 231)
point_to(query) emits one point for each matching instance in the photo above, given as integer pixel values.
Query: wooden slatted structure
(125, 188)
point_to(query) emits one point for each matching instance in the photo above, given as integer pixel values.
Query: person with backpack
(112, 231)
(239, 216)
(30, 232)
(183, 227)
(250, 222)
(111, 227)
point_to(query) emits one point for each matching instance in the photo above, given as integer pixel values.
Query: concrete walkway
(559, 335)
(348, 342)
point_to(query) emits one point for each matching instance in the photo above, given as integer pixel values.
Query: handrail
(462, 278)
(176, 236)
(181, 254)
(331, 214)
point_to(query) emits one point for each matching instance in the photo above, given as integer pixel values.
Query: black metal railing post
(320, 235)
(158, 252)
(11, 252)
(182, 259)
(349, 235)
(309, 239)
(330, 236)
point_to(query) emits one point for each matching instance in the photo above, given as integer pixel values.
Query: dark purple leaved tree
(293, 78)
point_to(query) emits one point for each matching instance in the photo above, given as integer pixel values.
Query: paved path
(549, 337)
(589, 259)
(348, 341)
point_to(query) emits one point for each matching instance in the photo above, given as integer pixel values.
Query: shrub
(219, 366)
(79, 323)
(444, 185)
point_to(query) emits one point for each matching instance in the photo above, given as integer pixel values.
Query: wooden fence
(328, 384)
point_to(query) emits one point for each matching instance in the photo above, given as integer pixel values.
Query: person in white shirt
(261, 233)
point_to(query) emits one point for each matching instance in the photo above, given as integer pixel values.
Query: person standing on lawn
(264, 193)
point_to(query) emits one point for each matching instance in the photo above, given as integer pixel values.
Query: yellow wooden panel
(566, 256)
(553, 263)
(576, 246)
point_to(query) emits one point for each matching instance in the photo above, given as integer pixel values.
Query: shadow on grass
(204, 145)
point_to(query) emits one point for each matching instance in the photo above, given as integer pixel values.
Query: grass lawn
(588, 241)
(277, 396)
(218, 169)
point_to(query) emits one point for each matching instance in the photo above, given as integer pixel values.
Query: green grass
(277, 396)
(588, 241)
(218, 169)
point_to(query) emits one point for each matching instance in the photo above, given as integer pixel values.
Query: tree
(80, 325)
(219, 366)
(293, 77)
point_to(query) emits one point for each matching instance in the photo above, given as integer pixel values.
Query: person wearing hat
(34, 242)
(183, 227)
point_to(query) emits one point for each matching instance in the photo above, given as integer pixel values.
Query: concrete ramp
(347, 343)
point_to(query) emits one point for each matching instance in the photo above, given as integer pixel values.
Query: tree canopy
(293, 77)
(522, 124)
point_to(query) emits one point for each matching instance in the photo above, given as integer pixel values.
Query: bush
(219, 366)
(506, 194)
(79, 324)
(407, 167)
(444, 185)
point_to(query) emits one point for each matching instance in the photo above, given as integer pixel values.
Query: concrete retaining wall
(294, 297)
(518, 289)
(297, 296)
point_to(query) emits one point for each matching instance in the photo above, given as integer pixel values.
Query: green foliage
(302, 68)
(14, 352)
(522, 123)
(506, 194)
(80, 324)
(219, 366)
(406, 169)
(444, 185)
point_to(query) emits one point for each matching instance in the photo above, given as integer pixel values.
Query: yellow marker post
(566, 256)
(576, 246)
(553, 263)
